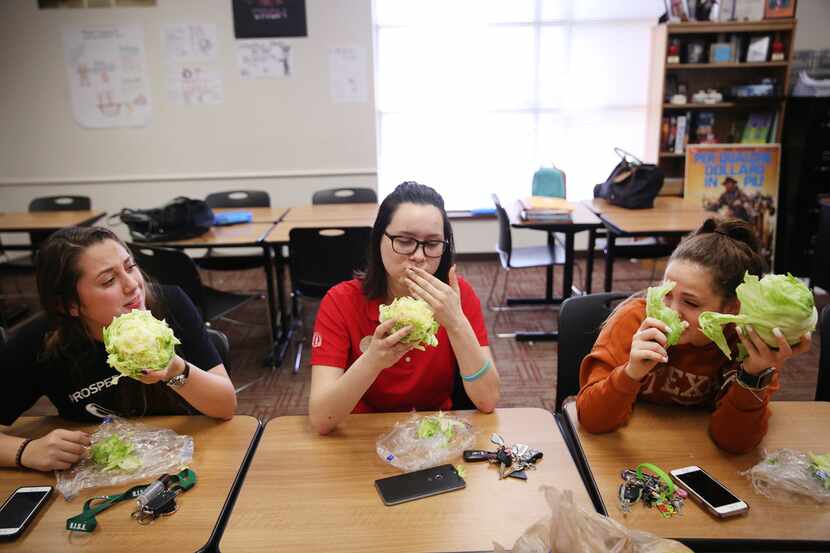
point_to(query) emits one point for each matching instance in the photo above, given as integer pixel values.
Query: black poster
(269, 18)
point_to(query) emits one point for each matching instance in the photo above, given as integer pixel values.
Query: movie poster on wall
(739, 181)
(269, 18)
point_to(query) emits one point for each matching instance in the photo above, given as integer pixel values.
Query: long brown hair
(727, 249)
(57, 285)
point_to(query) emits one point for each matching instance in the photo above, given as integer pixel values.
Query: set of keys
(159, 498)
(512, 460)
(652, 490)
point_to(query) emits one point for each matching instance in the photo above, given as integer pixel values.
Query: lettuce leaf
(115, 453)
(656, 309)
(780, 301)
(416, 313)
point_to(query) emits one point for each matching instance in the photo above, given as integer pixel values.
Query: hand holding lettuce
(774, 301)
(656, 309)
(418, 315)
(136, 341)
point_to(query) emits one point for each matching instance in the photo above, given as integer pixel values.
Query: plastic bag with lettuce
(791, 475)
(775, 301)
(125, 451)
(136, 341)
(416, 313)
(656, 309)
(425, 441)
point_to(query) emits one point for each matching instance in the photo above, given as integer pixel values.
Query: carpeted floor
(528, 370)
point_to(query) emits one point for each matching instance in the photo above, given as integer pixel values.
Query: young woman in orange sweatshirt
(630, 360)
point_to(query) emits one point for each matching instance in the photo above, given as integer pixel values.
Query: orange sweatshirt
(692, 376)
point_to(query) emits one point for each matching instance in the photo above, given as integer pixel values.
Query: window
(473, 96)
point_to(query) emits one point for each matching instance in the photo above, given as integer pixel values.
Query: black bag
(632, 184)
(179, 219)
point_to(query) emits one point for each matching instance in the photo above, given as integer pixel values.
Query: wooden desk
(670, 217)
(674, 437)
(316, 493)
(582, 219)
(279, 235)
(32, 221)
(330, 212)
(220, 448)
(258, 214)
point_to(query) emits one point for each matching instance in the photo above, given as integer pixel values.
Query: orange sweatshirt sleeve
(606, 393)
(739, 421)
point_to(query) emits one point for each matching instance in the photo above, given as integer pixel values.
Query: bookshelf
(725, 119)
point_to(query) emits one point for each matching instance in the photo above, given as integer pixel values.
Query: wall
(813, 21)
(286, 136)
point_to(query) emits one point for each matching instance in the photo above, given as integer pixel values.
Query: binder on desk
(543, 208)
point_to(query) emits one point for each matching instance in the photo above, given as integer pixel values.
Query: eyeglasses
(406, 245)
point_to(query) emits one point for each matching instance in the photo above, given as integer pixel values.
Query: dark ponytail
(727, 248)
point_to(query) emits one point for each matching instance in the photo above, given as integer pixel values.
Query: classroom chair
(516, 258)
(345, 196)
(319, 258)
(823, 383)
(221, 259)
(223, 347)
(580, 320)
(174, 267)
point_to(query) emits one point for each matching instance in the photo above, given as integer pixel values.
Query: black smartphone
(20, 508)
(418, 484)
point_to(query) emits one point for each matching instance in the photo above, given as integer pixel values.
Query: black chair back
(322, 257)
(505, 244)
(239, 198)
(222, 344)
(580, 319)
(172, 267)
(55, 203)
(345, 196)
(823, 384)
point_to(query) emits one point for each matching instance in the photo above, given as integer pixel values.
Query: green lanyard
(85, 522)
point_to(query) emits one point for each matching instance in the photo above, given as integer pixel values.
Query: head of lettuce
(415, 313)
(136, 341)
(775, 301)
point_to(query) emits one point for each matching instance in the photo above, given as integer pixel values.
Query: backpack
(179, 219)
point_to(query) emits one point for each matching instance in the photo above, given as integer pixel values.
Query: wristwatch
(754, 381)
(180, 379)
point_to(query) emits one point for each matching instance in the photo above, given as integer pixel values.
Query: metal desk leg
(609, 261)
(589, 262)
(568, 272)
(281, 338)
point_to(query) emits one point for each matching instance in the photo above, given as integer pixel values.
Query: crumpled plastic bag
(571, 529)
(160, 451)
(403, 448)
(787, 475)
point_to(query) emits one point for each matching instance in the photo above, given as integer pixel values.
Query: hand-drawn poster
(348, 73)
(258, 59)
(736, 181)
(107, 76)
(193, 75)
(269, 18)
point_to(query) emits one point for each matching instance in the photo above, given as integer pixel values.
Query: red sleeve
(471, 306)
(330, 343)
(739, 422)
(607, 394)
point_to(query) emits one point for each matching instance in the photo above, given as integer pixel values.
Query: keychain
(512, 460)
(654, 490)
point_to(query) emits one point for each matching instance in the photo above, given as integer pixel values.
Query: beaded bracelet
(18, 458)
(479, 373)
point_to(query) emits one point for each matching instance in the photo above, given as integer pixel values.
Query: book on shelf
(756, 130)
(704, 132)
(681, 134)
(544, 208)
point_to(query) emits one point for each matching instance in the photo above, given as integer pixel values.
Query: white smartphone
(710, 493)
(20, 508)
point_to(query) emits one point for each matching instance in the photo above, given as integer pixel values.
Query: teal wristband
(479, 373)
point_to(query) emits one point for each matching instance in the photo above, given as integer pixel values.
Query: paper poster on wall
(195, 83)
(52, 4)
(262, 59)
(187, 42)
(348, 74)
(736, 181)
(107, 77)
(269, 18)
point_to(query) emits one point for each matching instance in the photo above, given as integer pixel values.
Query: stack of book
(543, 208)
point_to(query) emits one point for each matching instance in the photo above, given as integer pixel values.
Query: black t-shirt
(81, 386)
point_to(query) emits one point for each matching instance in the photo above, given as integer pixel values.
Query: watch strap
(754, 381)
(179, 380)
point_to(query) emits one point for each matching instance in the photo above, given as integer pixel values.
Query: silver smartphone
(20, 508)
(711, 494)
(418, 484)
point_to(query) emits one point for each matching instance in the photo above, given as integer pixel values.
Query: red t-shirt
(420, 380)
